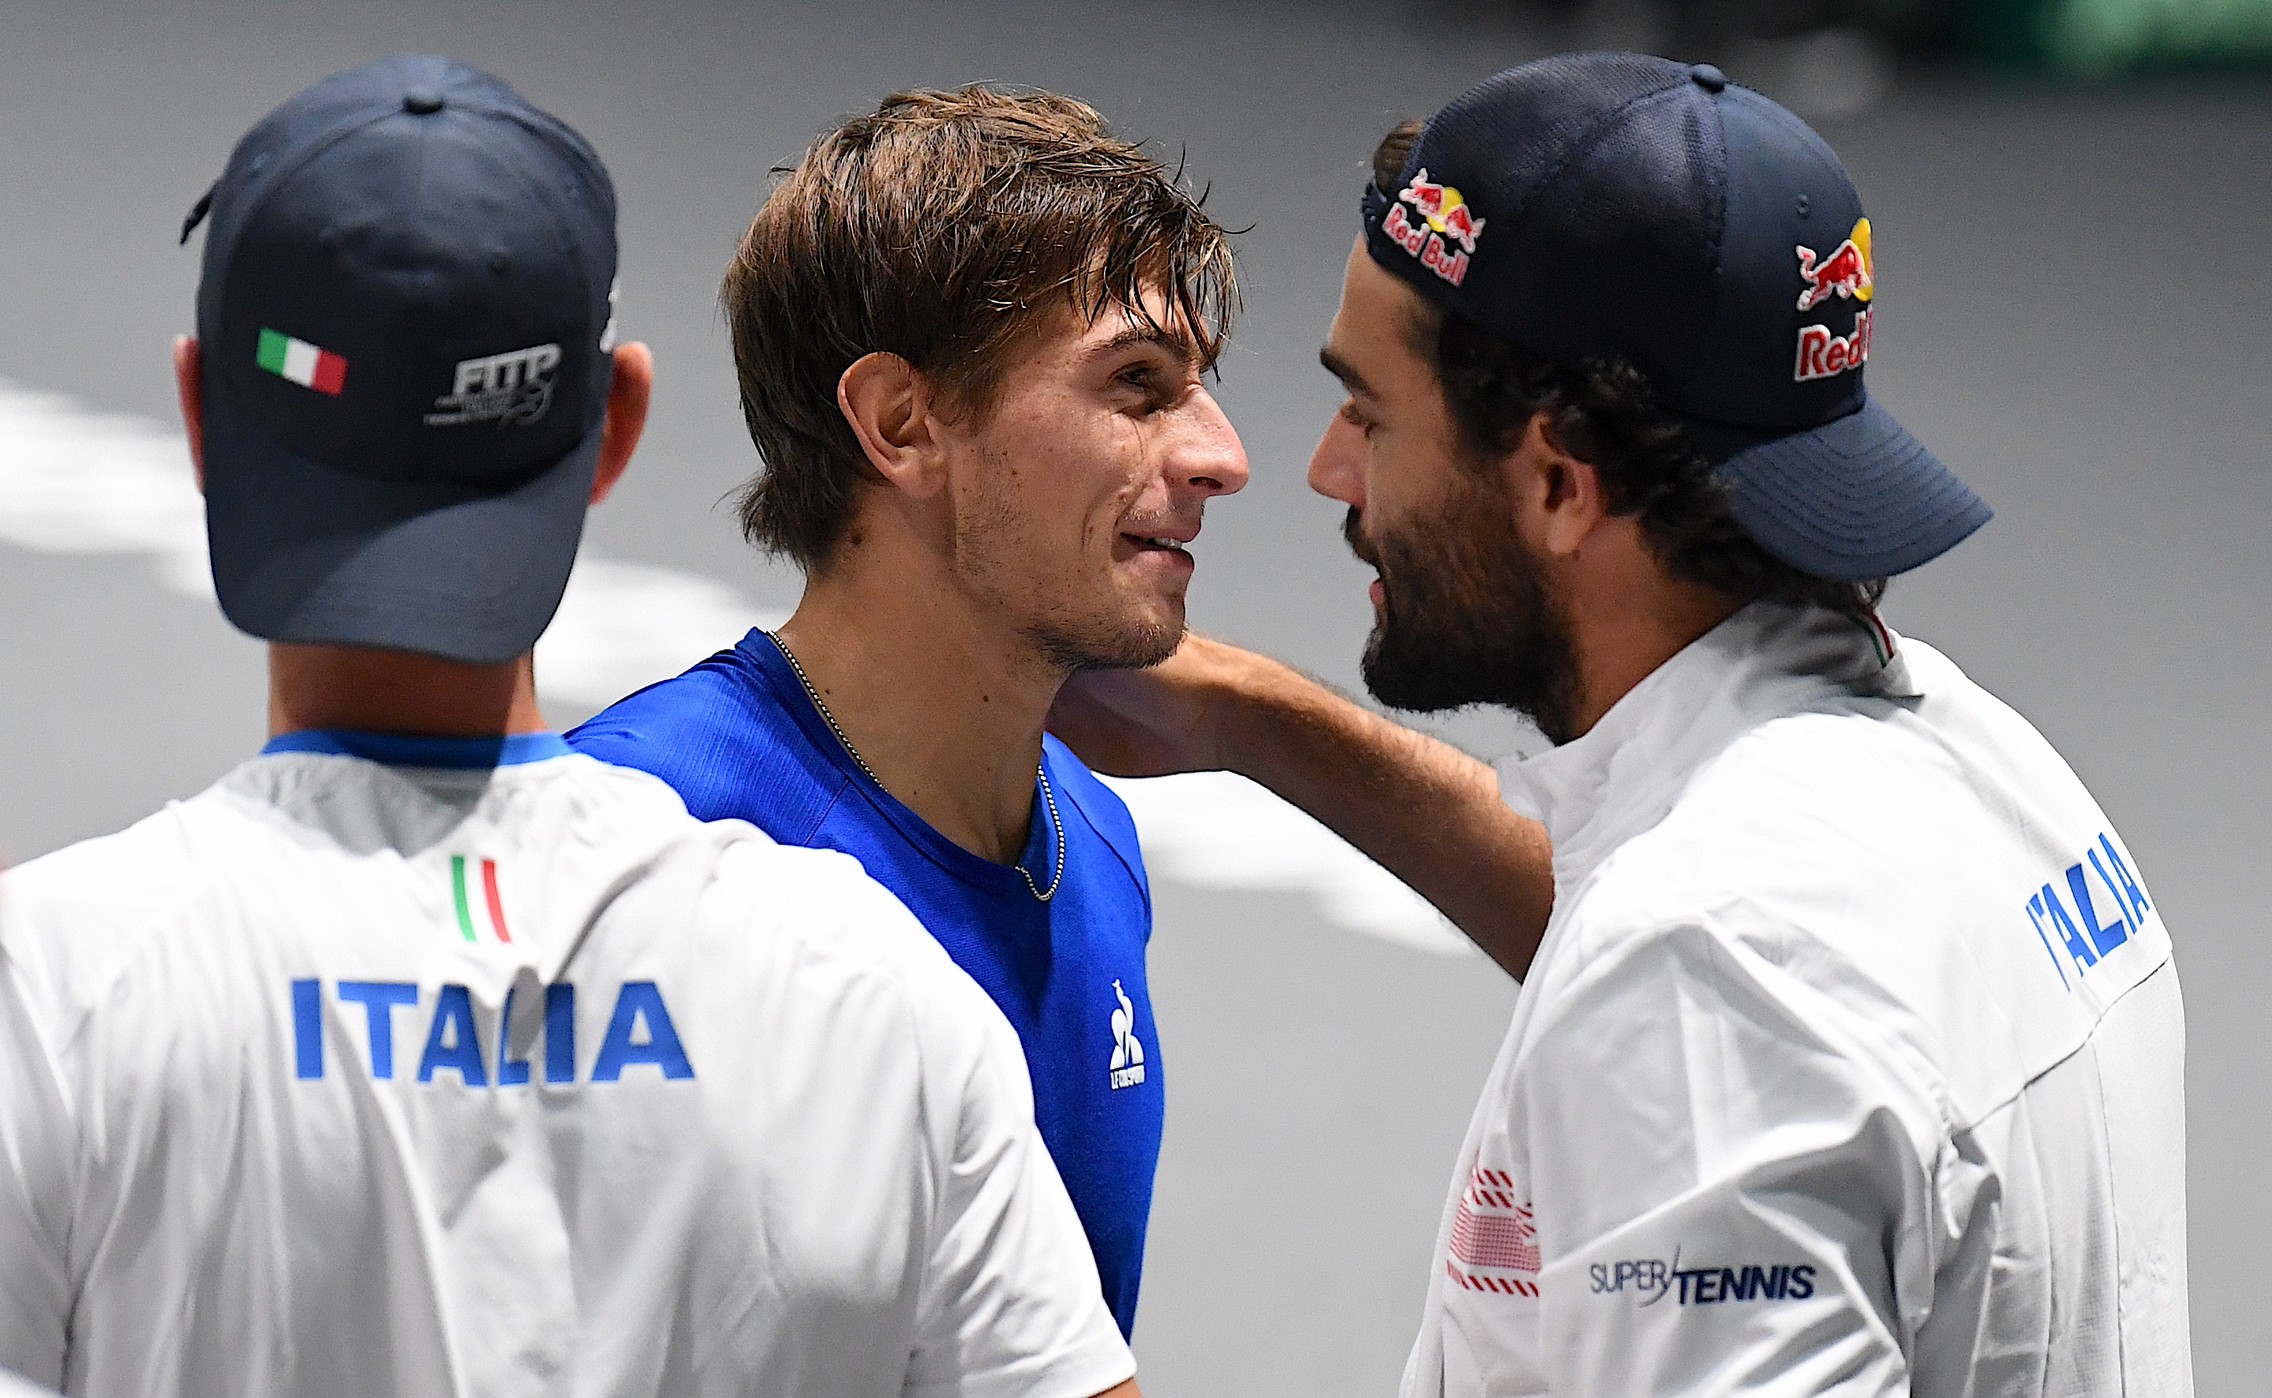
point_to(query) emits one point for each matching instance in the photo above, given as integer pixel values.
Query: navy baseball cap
(406, 316)
(1613, 204)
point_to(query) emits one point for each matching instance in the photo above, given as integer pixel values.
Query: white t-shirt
(407, 1077)
(1852, 1061)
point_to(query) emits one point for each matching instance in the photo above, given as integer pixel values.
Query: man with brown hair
(971, 330)
(419, 1054)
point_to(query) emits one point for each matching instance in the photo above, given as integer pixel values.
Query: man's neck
(388, 691)
(945, 709)
(1622, 643)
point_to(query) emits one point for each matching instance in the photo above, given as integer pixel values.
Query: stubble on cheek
(1114, 615)
(1071, 604)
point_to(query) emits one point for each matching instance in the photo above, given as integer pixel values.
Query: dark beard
(1467, 618)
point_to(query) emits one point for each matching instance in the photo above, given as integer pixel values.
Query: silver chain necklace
(1049, 798)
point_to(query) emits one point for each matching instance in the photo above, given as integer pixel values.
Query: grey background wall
(2072, 300)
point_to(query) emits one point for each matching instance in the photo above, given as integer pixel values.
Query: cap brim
(1853, 499)
(303, 552)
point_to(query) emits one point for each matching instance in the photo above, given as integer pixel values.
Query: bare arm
(1427, 812)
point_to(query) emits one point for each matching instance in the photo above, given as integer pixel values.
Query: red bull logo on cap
(1445, 220)
(1823, 355)
(1846, 273)
(1444, 208)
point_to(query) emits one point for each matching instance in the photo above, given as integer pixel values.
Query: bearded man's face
(1464, 613)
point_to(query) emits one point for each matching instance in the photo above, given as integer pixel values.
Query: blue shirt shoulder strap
(728, 738)
(1097, 805)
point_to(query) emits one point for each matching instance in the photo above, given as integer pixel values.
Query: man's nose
(1337, 467)
(1211, 459)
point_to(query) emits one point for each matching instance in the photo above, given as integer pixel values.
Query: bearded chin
(1405, 669)
(1468, 620)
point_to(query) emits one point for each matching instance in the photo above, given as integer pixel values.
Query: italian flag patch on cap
(309, 366)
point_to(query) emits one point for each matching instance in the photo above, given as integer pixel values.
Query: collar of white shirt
(1621, 777)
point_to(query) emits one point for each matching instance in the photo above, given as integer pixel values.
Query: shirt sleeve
(35, 1136)
(1731, 1175)
(1010, 1303)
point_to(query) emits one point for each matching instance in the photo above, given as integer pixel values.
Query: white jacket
(1852, 1061)
(430, 1076)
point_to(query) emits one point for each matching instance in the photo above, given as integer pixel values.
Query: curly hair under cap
(1603, 411)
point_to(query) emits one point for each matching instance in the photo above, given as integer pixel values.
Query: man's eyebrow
(1343, 370)
(1176, 343)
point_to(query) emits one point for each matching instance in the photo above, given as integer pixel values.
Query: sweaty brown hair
(943, 228)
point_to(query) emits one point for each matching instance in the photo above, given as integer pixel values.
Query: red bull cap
(1619, 205)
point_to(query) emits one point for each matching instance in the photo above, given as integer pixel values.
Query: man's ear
(1559, 498)
(890, 406)
(191, 390)
(628, 393)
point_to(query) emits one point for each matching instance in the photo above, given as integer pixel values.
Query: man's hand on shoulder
(1157, 721)
(1426, 811)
